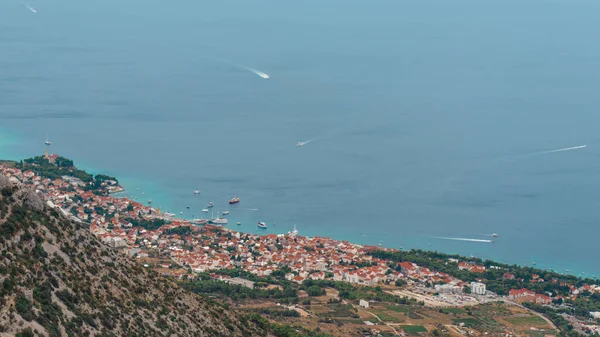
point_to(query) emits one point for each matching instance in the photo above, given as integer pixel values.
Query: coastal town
(144, 233)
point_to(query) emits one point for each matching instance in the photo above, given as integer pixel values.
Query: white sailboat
(218, 221)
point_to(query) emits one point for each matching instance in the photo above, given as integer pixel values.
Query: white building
(477, 288)
(448, 289)
(363, 304)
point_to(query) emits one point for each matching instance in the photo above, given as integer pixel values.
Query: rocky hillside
(57, 279)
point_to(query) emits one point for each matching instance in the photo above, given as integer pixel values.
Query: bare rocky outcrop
(30, 199)
(4, 182)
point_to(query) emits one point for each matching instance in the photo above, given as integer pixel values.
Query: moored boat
(262, 224)
(196, 191)
(205, 210)
(210, 205)
(234, 200)
(225, 213)
(218, 221)
(239, 223)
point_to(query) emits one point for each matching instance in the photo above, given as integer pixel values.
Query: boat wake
(29, 7)
(464, 239)
(563, 149)
(306, 142)
(252, 209)
(257, 72)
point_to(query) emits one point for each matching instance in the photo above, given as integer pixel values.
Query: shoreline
(162, 201)
(185, 249)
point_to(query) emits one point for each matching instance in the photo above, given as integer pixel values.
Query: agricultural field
(342, 317)
(399, 308)
(453, 310)
(527, 320)
(412, 329)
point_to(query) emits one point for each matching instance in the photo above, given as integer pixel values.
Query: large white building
(477, 288)
(448, 289)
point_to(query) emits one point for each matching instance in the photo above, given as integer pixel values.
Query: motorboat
(210, 205)
(225, 213)
(234, 200)
(262, 224)
(205, 210)
(196, 191)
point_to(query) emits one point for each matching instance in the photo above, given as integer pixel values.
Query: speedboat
(495, 235)
(299, 144)
(205, 210)
(225, 213)
(234, 200)
(262, 224)
(210, 205)
(196, 191)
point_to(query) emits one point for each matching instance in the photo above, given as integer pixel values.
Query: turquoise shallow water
(428, 118)
(7, 142)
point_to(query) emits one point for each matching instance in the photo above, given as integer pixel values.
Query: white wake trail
(564, 149)
(464, 239)
(29, 7)
(257, 72)
(307, 141)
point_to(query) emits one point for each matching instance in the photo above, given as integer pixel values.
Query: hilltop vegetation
(61, 166)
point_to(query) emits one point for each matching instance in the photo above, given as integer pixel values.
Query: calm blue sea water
(427, 117)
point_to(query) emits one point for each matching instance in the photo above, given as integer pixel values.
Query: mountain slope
(57, 279)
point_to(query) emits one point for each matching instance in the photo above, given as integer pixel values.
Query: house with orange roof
(522, 295)
(409, 268)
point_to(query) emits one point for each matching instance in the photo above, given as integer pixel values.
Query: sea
(428, 124)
